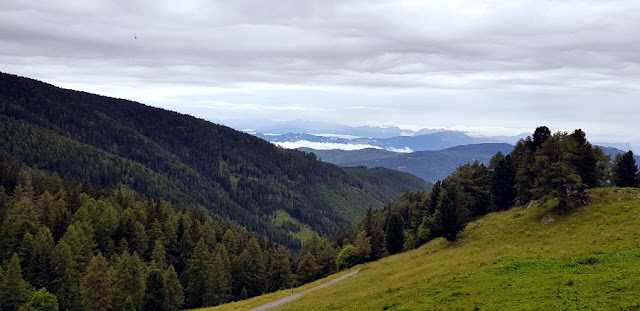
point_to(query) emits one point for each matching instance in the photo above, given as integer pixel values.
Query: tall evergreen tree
(279, 269)
(374, 231)
(155, 296)
(584, 158)
(626, 170)
(196, 275)
(128, 279)
(503, 176)
(394, 236)
(14, 291)
(175, 294)
(96, 290)
(38, 269)
(307, 268)
(450, 215)
(66, 283)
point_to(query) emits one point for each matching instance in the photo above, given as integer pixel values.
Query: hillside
(586, 260)
(104, 142)
(428, 165)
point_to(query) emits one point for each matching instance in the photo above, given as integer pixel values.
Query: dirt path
(291, 298)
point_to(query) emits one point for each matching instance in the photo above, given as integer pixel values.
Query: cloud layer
(513, 64)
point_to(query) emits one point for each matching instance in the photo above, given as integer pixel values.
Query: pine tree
(585, 160)
(155, 296)
(96, 291)
(626, 170)
(175, 294)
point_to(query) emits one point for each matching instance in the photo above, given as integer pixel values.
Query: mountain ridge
(162, 154)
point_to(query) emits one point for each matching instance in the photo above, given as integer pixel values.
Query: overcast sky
(488, 66)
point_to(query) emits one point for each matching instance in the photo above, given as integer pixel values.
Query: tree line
(71, 247)
(556, 169)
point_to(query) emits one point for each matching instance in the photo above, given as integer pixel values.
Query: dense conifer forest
(97, 249)
(103, 142)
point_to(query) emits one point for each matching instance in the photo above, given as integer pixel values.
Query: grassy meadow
(586, 260)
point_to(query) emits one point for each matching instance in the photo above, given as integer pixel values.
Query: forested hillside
(428, 165)
(83, 248)
(104, 142)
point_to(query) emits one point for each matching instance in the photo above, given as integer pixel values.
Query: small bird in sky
(135, 37)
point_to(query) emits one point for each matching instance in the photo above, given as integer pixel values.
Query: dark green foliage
(307, 269)
(42, 300)
(626, 170)
(373, 228)
(14, 291)
(278, 270)
(155, 296)
(503, 174)
(540, 136)
(450, 215)
(394, 234)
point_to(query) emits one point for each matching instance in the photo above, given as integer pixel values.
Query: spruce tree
(394, 234)
(626, 170)
(155, 296)
(450, 214)
(503, 176)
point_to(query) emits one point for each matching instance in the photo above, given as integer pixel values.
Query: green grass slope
(587, 260)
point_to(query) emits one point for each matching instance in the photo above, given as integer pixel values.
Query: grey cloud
(407, 61)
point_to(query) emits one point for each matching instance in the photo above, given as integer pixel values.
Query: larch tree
(96, 290)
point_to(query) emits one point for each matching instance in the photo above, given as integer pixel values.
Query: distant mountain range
(432, 141)
(429, 165)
